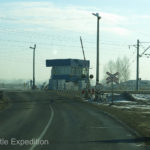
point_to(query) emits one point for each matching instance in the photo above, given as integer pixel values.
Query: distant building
(71, 74)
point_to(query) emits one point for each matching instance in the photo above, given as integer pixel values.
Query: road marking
(106, 127)
(45, 129)
(139, 145)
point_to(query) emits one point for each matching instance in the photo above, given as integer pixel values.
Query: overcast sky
(56, 25)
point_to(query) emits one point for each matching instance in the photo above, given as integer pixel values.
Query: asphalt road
(60, 123)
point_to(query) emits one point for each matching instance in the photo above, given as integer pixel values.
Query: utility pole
(97, 61)
(137, 66)
(138, 56)
(33, 86)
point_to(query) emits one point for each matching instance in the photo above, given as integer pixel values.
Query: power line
(145, 51)
(44, 43)
(58, 37)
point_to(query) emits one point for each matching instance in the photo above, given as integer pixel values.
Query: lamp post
(97, 61)
(33, 84)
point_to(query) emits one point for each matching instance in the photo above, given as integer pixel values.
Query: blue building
(68, 73)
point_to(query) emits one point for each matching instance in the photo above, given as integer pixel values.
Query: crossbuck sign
(112, 77)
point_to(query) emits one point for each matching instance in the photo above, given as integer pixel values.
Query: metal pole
(97, 64)
(34, 68)
(82, 48)
(137, 67)
(33, 86)
(86, 68)
(97, 61)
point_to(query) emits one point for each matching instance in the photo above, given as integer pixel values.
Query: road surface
(59, 123)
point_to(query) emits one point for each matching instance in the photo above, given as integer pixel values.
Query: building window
(85, 71)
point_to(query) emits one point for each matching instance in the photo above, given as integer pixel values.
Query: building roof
(67, 62)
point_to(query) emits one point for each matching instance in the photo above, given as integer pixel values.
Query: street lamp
(97, 61)
(33, 85)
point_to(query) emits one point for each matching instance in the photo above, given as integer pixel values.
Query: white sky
(55, 26)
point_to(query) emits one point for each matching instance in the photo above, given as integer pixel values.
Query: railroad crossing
(112, 78)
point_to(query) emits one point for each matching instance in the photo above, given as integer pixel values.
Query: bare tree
(120, 65)
(109, 67)
(125, 69)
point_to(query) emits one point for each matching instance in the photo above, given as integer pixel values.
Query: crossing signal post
(111, 79)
